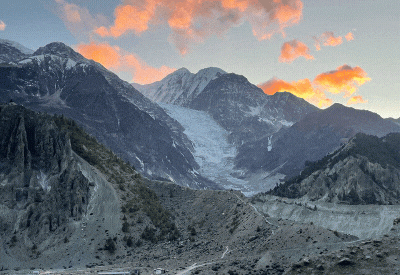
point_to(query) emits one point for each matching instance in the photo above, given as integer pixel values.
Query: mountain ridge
(179, 87)
(310, 139)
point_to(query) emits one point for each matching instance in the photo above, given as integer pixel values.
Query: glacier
(214, 154)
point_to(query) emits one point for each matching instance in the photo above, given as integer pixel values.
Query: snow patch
(270, 144)
(70, 64)
(43, 180)
(286, 123)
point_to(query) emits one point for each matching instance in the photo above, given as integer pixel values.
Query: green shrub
(110, 246)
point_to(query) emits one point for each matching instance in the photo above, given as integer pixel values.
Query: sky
(324, 51)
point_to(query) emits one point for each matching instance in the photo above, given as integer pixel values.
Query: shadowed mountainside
(310, 139)
(364, 171)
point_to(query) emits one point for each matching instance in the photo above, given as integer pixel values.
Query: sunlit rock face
(41, 187)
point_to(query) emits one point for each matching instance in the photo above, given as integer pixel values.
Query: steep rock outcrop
(41, 187)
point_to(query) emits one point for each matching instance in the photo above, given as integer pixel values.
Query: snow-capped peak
(211, 72)
(59, 49)
(180, 87)
(16, 45)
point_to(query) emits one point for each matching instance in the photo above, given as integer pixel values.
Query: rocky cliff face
(41, 188)
(364, 171)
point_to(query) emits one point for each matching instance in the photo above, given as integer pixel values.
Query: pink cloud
(2, 26)
(294, 49)
(356, 100)
(349, 36)
(327, 39)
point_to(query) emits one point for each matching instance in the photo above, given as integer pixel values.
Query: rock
(345, 262)
(38, 178)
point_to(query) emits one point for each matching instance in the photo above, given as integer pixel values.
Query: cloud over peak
(302, 88)
(114, 58)
(356, 100)
(344, 79)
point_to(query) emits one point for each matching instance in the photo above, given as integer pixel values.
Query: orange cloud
(327, 39)
(193, 21)
(294, 49)
(349, 36)
(2, 26)
(302, 88)
(128, 18)
(343, 79)
(356, 100)
(113, 58)
(288, 12)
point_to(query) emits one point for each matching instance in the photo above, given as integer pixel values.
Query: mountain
(12, 51)
(237, 105)
(310, 139)
(179, 87)
(246, 111)
(364, 171)
(395, 120)
(69, 205)
(58, 80)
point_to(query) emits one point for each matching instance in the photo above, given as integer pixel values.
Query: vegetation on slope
(138, 199)
(384, 151)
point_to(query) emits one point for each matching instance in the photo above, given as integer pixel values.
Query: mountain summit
(179, 87)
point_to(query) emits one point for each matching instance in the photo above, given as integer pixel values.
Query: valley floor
(281, 246)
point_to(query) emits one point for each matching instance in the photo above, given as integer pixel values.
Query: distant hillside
(364, 171)
(310, 139)
(395, 120)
